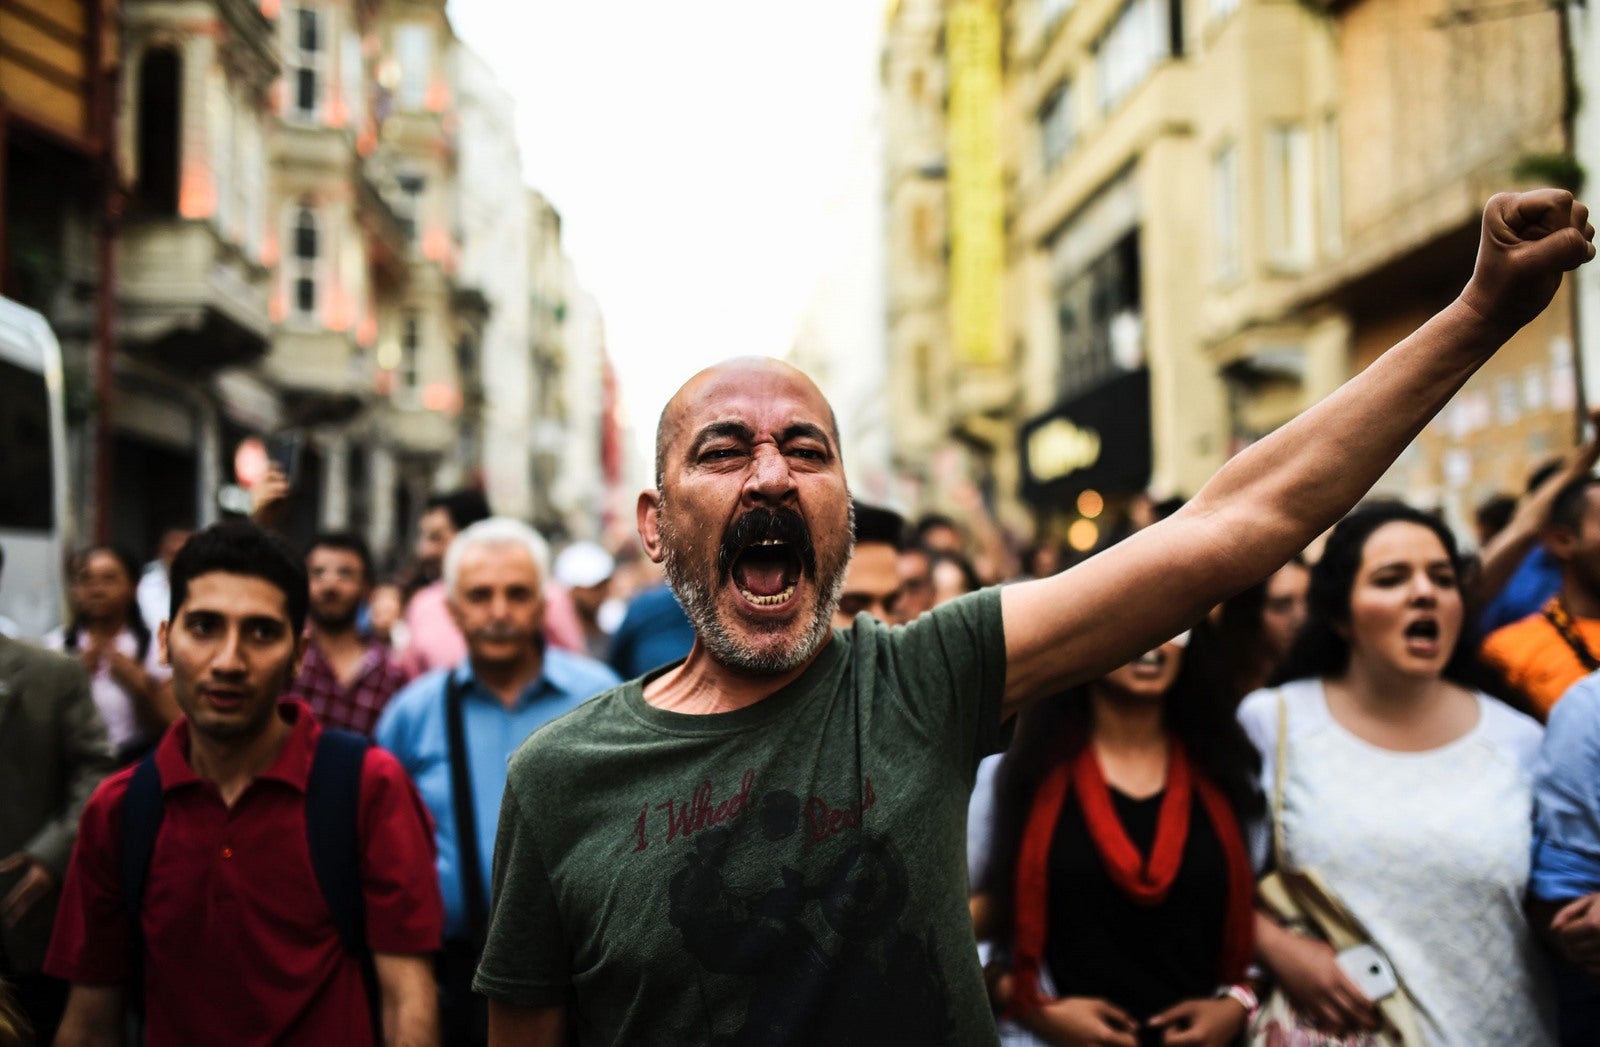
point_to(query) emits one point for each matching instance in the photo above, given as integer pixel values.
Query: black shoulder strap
(333, 815)
(477, 906)
(333, 832)
(141, 821)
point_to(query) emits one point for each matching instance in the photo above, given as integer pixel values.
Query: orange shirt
(1535, 660)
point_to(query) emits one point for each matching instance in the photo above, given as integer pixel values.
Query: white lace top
(1429, 850)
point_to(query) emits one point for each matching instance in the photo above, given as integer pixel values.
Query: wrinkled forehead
(767, 397)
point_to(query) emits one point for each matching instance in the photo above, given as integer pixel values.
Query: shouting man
(763, 843)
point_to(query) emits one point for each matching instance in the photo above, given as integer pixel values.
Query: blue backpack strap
(333, 831)
(141, 821)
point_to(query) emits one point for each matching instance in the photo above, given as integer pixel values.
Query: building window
(1099, 318)
(160, 95)
(1128, 52)
(1331, 220)
(352, 78)
(413, 48)
(305, 61)
(1057, 131)
(225, 139)
(409, 344)
(306, 247)
(1225, 212)
(1288, 197)
(409, 206)
(251, 181)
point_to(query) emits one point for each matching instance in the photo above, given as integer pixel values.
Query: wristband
(1244, 996)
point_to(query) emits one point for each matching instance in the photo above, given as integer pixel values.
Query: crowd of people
(850, 791)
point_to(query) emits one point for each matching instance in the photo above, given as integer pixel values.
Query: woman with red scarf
(1117, 887)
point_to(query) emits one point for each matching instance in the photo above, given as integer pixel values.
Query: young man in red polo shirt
(239, 944)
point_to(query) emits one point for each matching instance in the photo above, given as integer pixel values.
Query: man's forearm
(1291, 486)
(93, 1017)
(411, 1023)
(410, 1000)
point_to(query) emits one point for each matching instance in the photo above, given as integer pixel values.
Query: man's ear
(649, 513)
(161, 642)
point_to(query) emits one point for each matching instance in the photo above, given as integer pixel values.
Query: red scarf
(1146, 883)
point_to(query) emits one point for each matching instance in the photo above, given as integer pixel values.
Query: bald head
(714, 383)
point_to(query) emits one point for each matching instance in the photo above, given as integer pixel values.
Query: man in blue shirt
(1564, 882)
(454, 729)
(654, 631)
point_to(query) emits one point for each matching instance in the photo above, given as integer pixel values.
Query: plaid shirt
(356, 707)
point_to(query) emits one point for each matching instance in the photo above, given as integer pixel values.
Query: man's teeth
(768, 601)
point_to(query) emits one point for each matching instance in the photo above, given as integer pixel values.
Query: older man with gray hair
(454, 729)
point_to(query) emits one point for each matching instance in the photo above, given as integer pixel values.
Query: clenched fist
(1529, 240)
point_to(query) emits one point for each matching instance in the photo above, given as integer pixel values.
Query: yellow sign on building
(977, 202)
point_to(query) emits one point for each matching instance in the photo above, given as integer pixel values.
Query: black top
(1102, 944)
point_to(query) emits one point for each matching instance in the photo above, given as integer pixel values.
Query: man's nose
(230, 656)
(769, 478)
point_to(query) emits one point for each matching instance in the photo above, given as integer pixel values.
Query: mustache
(759, 525)
(499, 634)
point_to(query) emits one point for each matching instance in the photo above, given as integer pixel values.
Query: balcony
(189, 301)
(387, 237)
(410, 428)
(322, 373)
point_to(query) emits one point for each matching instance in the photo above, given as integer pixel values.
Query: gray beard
(697, 596)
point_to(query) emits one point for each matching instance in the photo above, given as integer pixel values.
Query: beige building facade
(1216, 211)
(1431, 109)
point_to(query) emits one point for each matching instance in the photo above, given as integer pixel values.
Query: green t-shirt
(788, 873)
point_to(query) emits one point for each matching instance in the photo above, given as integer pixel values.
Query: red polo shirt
(240, 946)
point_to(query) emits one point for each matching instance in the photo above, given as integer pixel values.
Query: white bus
(34, 526)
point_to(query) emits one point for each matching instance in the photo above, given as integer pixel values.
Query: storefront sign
(1099, 439)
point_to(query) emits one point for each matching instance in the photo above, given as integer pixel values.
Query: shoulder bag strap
(140, 823)
(1280, 774)
(472, 894)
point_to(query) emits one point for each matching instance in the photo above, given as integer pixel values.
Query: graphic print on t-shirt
(813, 945)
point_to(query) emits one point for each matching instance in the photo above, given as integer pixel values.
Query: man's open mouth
(766, 572)
(765, 554)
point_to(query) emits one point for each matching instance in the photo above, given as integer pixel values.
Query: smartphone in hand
(1370, 970)
(283, 450)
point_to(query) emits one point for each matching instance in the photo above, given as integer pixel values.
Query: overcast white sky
(692, 150)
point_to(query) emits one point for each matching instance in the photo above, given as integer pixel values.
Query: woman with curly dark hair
(1116, 884)
(1406, 791)
(107, 632)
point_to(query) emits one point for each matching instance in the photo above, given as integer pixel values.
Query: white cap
(583, 564)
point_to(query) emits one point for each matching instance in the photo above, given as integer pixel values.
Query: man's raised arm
(1268, 502)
